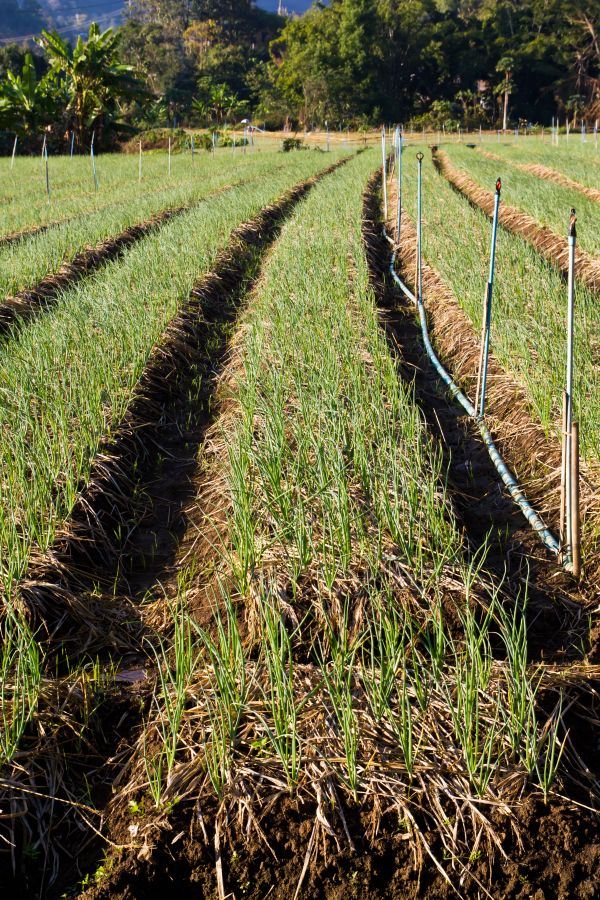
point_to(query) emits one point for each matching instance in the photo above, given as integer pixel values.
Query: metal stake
(569, 388)
(419, 297)
(575, 519)
(384, 175)
(399, 151)
(563, 477)
(72, 143)
(487, 312)
(12, 159)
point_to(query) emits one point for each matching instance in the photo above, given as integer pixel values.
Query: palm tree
(95, 80)
(505, 65)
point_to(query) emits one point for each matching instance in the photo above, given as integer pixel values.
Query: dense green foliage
(348, 62)
(81, 92)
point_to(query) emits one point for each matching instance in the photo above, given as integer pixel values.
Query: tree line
(350, 63)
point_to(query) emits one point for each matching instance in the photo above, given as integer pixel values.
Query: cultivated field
(271, 625)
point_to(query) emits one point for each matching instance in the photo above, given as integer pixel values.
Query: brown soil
(550, 245)
(559, 859)
(546, 173)
(16, 236)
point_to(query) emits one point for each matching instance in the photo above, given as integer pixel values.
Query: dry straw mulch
(550, 245)
(546, 173)
(534, 456)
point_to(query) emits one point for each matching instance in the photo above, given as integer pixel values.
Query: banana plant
(96, 82)
(27, 104)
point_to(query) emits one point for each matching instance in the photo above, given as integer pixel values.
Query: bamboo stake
(563, 475)
(575, 515)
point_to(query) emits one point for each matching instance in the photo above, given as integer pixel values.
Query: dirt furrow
(550, 245)
(557, 608)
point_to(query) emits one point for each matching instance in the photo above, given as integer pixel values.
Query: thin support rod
(563, 474)
(384, 175)
(569, 373)
(419, 228)
(399, 149)
(487, 311)
(575, 517)
(94, 161)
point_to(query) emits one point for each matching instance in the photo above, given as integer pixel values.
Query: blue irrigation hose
(516, 492)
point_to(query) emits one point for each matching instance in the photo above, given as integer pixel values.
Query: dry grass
(534, 456)
(545, 172)
(550, 245)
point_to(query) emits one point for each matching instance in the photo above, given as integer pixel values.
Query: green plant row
(576, 160)
(530, 302)
(25, 263)
(72, 191)
(549, 203)
(67, 378)
(342, 560)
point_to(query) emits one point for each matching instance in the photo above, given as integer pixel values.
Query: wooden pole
(575, 514)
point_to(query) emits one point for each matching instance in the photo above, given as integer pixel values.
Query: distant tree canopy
(351, 62)
(395, 58)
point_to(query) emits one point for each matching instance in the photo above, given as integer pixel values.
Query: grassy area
(578, 161)
(24, 263)
(549, 203)
(528, 329)
(331, 669)
(67, 378)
